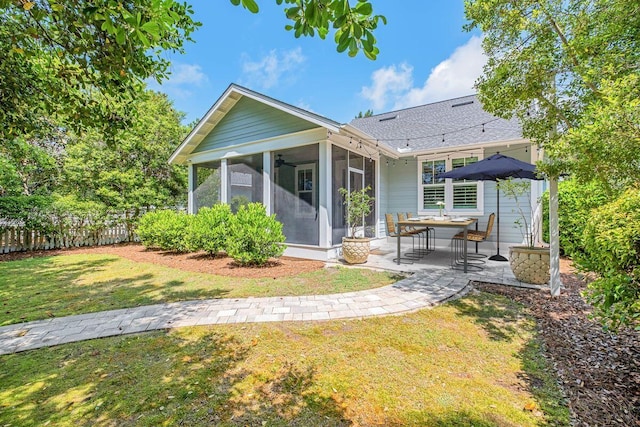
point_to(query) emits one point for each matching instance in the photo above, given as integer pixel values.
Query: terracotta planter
(355, 251)
(530, 265)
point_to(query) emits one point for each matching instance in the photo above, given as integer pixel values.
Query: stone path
(424, 289)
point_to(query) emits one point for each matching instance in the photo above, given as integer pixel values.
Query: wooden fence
(16, 239)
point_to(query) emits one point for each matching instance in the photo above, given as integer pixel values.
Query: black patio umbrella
(494, 168)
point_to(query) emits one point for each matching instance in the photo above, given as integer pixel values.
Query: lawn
(472, 362)
(54, 286)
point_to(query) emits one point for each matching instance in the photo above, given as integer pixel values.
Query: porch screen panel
(371, 221)
(208, 181)
(339, 168)
(244, 180)
(295, 193)
(433, 187)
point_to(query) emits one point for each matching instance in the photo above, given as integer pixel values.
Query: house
(253, 148)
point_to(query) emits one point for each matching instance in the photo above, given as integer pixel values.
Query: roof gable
(241, 115)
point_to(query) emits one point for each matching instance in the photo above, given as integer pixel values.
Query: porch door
(356, 183)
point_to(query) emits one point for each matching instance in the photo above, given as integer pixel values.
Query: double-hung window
(460, 196)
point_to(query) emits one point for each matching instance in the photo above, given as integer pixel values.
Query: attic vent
(384, 119)
(461, 104)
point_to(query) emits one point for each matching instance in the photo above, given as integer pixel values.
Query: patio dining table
(425, 222)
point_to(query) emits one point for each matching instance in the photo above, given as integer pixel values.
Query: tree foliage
(76, 61)
(353, 25)
(367, 113)
(569, 71)
(131, 171)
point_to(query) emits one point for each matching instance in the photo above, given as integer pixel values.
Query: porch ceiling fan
(280, 161)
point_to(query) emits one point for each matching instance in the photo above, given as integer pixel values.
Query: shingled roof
(445, 124)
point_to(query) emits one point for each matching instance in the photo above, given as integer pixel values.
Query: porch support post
(266, 181)
(224, 179)
(192, 179)
(554, 237)
(324, 194)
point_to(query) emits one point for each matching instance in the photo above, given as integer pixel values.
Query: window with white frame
(458, 195)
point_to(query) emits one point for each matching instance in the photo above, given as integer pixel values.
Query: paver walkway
(423, 289)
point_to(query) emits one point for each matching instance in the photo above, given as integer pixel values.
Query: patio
(437, 263)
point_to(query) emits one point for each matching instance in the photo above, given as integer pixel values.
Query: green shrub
(612, 250)
(209, 229)
(31, 212)
(164, 229)
(73, 217)
(254, 236)
(575, 202)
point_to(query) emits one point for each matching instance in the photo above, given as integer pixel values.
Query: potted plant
(529, 263)
(358, 204)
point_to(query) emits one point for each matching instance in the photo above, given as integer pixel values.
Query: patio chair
(429, 235)
(418, 232)
(476, 236)
(391, 232)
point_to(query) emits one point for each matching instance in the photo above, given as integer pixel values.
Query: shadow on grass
(159, 378)
(39, 288)
(496, 314)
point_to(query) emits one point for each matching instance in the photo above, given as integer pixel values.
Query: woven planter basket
(530, 265)
(355, 251)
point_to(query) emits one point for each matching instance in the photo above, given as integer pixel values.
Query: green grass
(473, 362)
(38, 288)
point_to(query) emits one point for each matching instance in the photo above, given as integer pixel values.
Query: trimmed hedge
(254, 236)
(164, 229)
(208, 230)
(250, 237)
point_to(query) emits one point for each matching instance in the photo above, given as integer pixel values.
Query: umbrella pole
(497, 257)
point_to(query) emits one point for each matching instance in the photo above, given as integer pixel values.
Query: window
(305, 190)
(465, 193)
(458, 195)
(433, 189)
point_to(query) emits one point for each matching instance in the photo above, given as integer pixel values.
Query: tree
(367, 113)
(76, 61)
(570, 71)
(354, 25)
(132, 171)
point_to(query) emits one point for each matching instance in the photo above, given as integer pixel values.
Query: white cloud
(453, 77)
(272, 69)
(388, 82)
(187, 74)
(181, 82)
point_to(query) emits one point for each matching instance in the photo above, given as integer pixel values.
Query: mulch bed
(599, 371)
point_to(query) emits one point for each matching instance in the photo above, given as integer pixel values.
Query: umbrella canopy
(494, 168)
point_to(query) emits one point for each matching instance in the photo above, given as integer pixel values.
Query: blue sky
(425, 56)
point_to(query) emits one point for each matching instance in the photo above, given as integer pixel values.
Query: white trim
(325, 213)
(223, 181)
(470, 147)
(266, 181)
(192, 179)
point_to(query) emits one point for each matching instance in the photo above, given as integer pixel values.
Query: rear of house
(253, 148)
